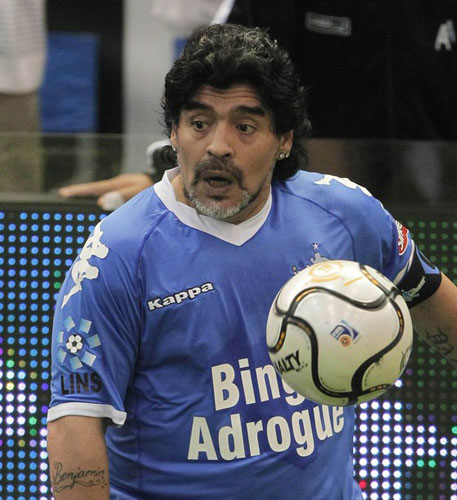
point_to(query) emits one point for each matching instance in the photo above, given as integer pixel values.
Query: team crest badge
(77, 344)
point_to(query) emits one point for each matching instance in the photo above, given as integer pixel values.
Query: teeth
(217, 181)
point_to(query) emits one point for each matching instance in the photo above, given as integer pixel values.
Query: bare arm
(78, 458)
(125, 186)
(435, 320)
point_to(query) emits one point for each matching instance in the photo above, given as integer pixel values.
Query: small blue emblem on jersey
(344, 333)
(317, 257)
(76, 344)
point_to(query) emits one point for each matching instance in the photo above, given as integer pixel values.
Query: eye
(246, 128)
(199, 124)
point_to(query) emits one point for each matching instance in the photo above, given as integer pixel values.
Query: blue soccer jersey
(160, 327)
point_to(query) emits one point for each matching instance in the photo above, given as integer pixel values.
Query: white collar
(236, 234)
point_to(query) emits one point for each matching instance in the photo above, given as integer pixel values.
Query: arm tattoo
(62, 480)
(440, 341)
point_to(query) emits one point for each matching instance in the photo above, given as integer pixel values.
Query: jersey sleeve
(96, 330)
(380, 241)
(399, 257)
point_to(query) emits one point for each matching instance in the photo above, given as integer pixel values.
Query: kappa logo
(445, 36)
(327, 179)
(179, 297)
(82, 269)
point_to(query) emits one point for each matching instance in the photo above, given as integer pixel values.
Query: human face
(226, 152)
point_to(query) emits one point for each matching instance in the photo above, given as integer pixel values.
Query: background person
(22, 64)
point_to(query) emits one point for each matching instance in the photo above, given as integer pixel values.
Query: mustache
(215, 164)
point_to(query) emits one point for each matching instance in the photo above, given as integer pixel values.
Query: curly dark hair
(222, 55)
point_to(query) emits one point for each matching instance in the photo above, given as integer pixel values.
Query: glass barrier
(415, 173)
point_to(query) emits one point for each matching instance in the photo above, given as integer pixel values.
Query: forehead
(238, 96)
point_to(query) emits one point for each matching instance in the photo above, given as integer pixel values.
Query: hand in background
(110, 193)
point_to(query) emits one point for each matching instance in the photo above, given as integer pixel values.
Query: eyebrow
(252, 110)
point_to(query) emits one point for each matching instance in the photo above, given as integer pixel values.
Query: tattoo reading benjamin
(62, 480)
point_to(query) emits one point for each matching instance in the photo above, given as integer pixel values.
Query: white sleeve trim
(405, 269)
(87, 410)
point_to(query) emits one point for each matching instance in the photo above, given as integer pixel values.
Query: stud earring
(281, 156)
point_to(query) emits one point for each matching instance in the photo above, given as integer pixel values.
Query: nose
(220, 144)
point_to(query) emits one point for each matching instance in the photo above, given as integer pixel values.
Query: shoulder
(116, 243)
(126, 229)
(351, 207)
(109, 257)
(339, 196)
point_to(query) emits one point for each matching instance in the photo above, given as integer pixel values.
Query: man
(159, 333)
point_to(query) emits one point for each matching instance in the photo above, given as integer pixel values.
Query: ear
(286, 141)
(174, 136)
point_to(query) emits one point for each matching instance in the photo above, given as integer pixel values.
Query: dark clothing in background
(373, 68)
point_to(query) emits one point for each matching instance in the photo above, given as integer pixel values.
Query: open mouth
(217, 178)
(217, 181)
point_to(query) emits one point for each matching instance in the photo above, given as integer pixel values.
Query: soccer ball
(339, 333)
